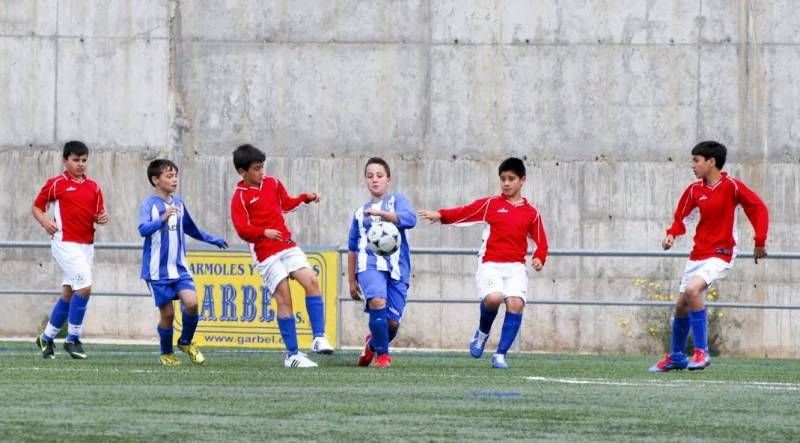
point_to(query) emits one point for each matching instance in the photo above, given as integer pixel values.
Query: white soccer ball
(383, 238)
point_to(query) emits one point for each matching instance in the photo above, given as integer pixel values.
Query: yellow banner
(236, 310)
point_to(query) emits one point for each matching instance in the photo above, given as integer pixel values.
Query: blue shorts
(378, 284)
(164, 291)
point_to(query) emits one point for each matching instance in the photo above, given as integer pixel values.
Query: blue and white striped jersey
(398, 264)
(164, 249)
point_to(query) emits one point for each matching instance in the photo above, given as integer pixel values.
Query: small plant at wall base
(654, 324)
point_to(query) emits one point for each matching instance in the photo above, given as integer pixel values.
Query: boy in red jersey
(77, 205)
(257, 209)
(715, 198)
(502, 277)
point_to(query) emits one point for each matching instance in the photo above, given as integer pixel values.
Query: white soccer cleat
(321, 345)
(298, 360)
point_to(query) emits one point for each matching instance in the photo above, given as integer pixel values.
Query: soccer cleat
(298, 360)
(700, 360)
(670, 362)
(367, 354)
(193, 352)
(169, 360)
(383, 361)
(47, 347)
(499, 361)
(477, 343)
(321, 345)
(75, 349)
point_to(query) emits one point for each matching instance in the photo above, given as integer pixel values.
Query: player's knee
(394, 324)
(377, 303)
(515, 304)
(493, 301)
(312, 286)
(190, 307)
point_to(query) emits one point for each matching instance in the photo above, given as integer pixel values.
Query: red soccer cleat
(367, 354)
(701, 360)
(383, 361)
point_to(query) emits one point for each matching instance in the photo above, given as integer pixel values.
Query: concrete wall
(603, 99)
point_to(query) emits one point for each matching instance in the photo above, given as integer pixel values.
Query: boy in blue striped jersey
(163, 221)
(383, 281)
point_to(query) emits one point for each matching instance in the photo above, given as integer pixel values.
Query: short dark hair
(378, 161)
(75, 147)
(514, 165)
(245, 155)
(711, 149)
(157, 167)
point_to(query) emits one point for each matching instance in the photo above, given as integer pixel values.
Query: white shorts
(277, 267)
(710, 270)
(76, 260)
(509, 279)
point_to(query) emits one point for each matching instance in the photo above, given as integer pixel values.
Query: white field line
(669, 383)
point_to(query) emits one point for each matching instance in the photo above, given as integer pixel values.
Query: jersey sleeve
(241, 220)
(474, 212)
(147, 225)
(539, 236)
(45, 196)
(353, 236)
(756, 212)
(686, 205)
(288, 203)
(191, 229)
(101, 205)
(406, 216)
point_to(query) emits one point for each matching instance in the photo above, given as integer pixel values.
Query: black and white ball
(383, 238)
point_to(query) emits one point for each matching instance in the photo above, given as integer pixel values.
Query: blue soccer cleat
(477, 343)
(670, 362)
(499, 361)
(700, 360)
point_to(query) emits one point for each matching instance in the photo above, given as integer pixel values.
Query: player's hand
(313, 197)
(373, 211)
(355, 291)
(537, 264)
(101, 218)
(171, 210)
(50, 226)
(430, 216)
(759, 252)
(667, 242)
(273, 234)
(221, 243)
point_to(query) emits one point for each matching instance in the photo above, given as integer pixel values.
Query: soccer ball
(383, 238)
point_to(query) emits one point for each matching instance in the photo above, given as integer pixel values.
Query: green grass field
(121, 393)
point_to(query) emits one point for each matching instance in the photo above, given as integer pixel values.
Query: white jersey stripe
(155, 247)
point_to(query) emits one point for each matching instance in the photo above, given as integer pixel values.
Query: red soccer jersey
(508, 226)
(256, 208)
(715, 234)
(76, 203)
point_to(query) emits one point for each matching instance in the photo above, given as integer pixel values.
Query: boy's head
(76, 148)
(378, 176)
(163, 174)
(75, 154)
(249, 163)
(711, 149)
(512, 177)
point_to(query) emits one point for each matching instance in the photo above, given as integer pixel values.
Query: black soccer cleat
(75, 349)
(47, 347)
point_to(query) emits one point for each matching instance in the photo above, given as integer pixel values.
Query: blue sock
(509, 332)
(379, 326)
(77, 309)
(189, 326)
(57, 318)
(699, 323)
(165, 339)
(316, 314)
(289, 333)
(393, 333)
(680, 332)
(487, 318)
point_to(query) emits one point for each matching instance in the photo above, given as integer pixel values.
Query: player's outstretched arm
(430, 216)
(190, 228)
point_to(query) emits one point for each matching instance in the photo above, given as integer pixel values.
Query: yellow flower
(628, 333)
(623, 322)
(720, 314)
(710, 311)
